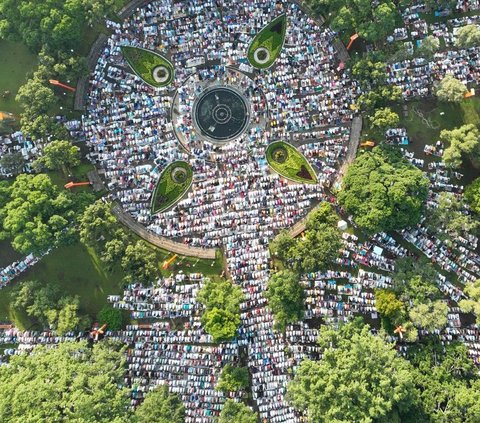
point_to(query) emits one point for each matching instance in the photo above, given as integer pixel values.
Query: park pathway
(160, 241)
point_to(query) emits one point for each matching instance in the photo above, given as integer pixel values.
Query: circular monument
(221, 114)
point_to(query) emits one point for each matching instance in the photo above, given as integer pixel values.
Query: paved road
(159, 241)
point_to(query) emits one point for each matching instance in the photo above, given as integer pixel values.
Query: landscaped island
(151, 67)
(174, 181)
(267, 44)
(288, 162)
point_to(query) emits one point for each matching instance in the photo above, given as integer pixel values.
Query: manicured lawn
(168, 191)
(144, 62)
(270, 38)
(427, 118)
(288, 162)
(78, 271)
(16, 61)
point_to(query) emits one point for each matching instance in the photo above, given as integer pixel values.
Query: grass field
(16, 61)
(426, 119)
(79, 271)
(295, 167)
(168, 192)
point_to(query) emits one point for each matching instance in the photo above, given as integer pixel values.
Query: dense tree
(285, 297)
(448, 387)
(472, 195)
(115, 248)
(45, 303)
(237, 412)
(472, 303)
(462, 142)
(430, 315)
(38, 215)
(12, 162)
(318, 249)
(468, 36)
(42, 127)
(281, 245)
(221, 317)
(384, 119)
(35, 98)
(357, 369)
(140, 263)
(233, 379)
(430, 45)
(451, 89)
(383, 191)
(54, 24)
(371, 73)
(372, 21)
(69, 383)
(97, 225)
(59, 155)
(414, 281)
(112, 317)
(389, 306)
(450, 219)
(160, 406)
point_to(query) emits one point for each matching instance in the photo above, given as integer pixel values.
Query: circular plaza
(221, 114)
(188, 156)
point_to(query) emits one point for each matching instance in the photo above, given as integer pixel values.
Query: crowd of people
(237, 203)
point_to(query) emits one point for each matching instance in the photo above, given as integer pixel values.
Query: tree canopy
(160, 406)
(112, 317)
(472, 303)
(59, 155)
(233, 378)
(37, 215)
(71, 382)
(372, 21)
(472, 195)
(462, 142)
(451, 89)
(318, 248)
(383, 191)
(371, 73)
(140, 263)
(431, 315)
(447, 384)
(237, 412)
(49, 307)
(285, 298)
(468, 36)
(221, 317)
(359, 378)
(384, 119)
(450, 219)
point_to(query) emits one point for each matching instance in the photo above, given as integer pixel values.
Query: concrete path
(353, 143)
(160, 241)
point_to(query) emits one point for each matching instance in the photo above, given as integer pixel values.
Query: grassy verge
(16, 61)
(168, 190)
(78, 271)
(288, 162)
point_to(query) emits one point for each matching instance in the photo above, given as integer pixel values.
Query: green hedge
(294, 167)
(168, 192)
